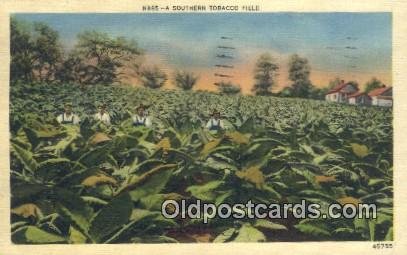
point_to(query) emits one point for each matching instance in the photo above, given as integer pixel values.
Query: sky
(352, 46)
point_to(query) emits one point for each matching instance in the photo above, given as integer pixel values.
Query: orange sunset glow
(335, 44)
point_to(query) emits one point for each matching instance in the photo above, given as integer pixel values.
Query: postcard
(229, 127)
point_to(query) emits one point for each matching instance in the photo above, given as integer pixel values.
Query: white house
(341, 92)
(382, 96)
(359, 98)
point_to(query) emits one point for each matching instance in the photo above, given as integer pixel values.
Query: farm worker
(68, 117)
(215, 123)
(141, 118)
(102, 115)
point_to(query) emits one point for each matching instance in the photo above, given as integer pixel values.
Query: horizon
(336, 44)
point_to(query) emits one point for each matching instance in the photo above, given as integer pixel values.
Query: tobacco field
(96, 184)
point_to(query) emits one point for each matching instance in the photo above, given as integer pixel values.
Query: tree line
(299, 71)
(38, 56)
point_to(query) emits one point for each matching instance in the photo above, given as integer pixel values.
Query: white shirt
(213, 122)
(73, 118)
(144, 119)
(105, 117)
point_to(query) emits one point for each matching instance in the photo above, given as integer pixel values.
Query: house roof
(338, 88)
(385, 97)
(379, 91)
(357, 94)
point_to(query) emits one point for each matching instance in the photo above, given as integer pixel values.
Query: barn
(341, 92)
(359, 98)
(382, 96)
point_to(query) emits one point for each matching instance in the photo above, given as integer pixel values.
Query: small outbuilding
(382, 96)
(341, 92)
(359, 98)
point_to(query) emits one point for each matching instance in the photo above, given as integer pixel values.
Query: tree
(35, 51)
(372, 84)
(318, 93)
(228, 88)
(185, 80)
(335, 82)
(73, 69)
(98, 58)
(153, 77)
(265, 73)
(299, 72)
(21, 50)
(285, 92)
(355, 84)
(48, 51)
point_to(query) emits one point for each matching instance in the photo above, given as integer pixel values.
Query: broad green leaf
(95, 156)
(389, 235)
(362, 227)
(385, 201)
(35, 235)
(150, 147)
(271, 192)
(372, 230)
(222, 197)
(26, 157)
(153, 185)
(26, 190)
(18, 225)
(94, 200)
(374, 182)
(371, 170)
(314, 229)
(154, 202)
(315, 193)
(225, 236)
(32, 136)
(219, 165)
(247, 126)
(54, 167)
(206, 192)
(247, 233)
(344, 231)
(62, 145)
(75, 236)
(141, 214)
(77, 176)
(111, 217)
(307, 175)
(261, 223)
(144, 218)
(384, 218)
(74, 208)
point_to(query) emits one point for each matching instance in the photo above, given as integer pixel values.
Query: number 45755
(382, 245)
